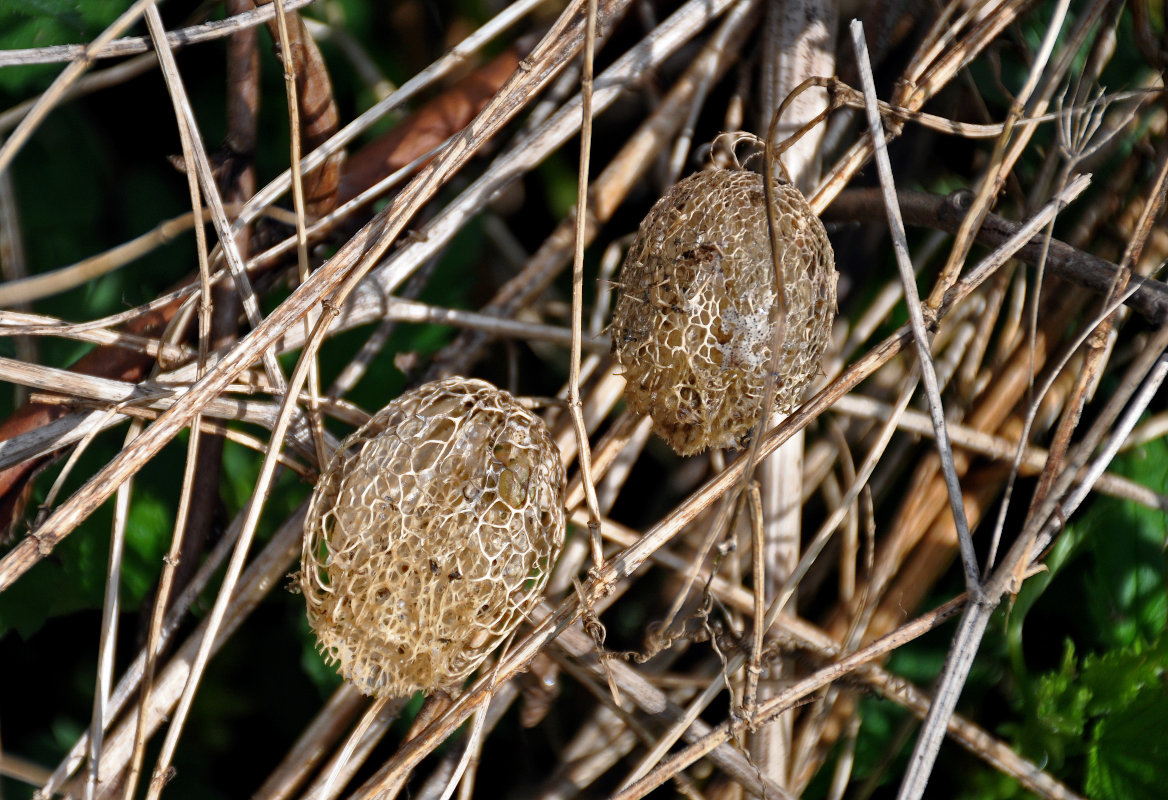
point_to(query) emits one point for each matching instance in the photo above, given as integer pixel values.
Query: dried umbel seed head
(430, 536)
(692, 328)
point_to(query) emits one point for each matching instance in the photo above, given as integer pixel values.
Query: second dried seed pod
(692, 326)
(430, 536)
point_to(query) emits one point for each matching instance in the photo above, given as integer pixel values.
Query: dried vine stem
(610, 187)
(798, 44)
(921, 335)
(950, 45)
(210, 190)
(574, 405)
(349, 133)
(995, 447)
(1148, 297)
(1093, 337)
(1009, 148)
(87, 84)
(791, 695)
(166, 580)
(108, 47)
(47, 284)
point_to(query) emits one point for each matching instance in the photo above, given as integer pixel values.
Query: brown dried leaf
(427, 127)
(319, 118)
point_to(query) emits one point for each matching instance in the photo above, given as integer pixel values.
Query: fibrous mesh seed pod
(430, 536)
(692, 330)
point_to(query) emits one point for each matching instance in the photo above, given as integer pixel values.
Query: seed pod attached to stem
(430, 536)
(692, 329)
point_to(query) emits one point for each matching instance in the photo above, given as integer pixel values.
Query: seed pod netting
(692, 327)
(430, 536)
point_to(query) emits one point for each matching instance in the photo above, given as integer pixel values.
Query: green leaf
(1124, 590)
(148, 533)
(1056, 728)
(989, 784)
(1105, 572)
(70, 579)
(1117, 679)
(1110, 709)
(1129, 752)
(41, 23)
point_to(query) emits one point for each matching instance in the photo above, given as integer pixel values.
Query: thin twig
(617, 179)
(798, 44)
(344, 765)
(585, 451)
(1008, 147)
(13, 323)
(375, 709)
(975, 619)
(791, 695)
(289, 63)
(944, 213)
(631, 558)
(349, 133)
(93, 82)
(185, 116)
(921, 336)
(758, 583)
(107, 649)
(171, 562)
(556, 48)
(995, 447)
(372, 242)
(62, 279)
(313, 744)
(104, 47)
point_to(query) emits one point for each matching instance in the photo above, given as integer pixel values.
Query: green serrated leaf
(1117, 678)
(1054, 730)
(1129, 752)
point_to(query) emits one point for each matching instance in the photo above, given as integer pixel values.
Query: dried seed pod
(430, 535)
(692, 329)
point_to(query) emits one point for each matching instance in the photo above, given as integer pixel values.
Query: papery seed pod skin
(692, 327)
(430, 536)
